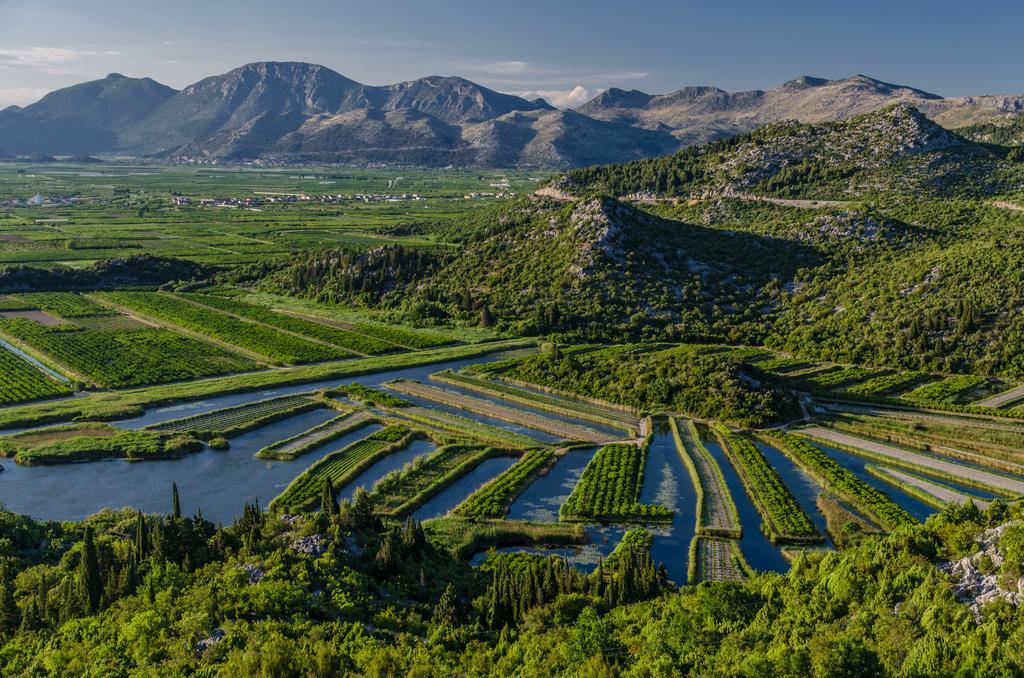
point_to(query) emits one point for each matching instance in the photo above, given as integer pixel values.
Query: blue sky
(566, 51)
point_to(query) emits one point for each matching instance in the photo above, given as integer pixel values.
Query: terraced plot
(716, 511)
(258, 339)
(403, 491)
(564, 406)
(493, 499)
(66, 304)
(906, 458)
(715, 560)
(231, 421)
(313, 438)
(1004, 398)
(609, 489)
(462, 427)
(930, 492)
(339, 468)
(488, 408)
(783, 519)
(840, 481)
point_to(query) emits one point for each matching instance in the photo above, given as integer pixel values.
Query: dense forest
(340, 592)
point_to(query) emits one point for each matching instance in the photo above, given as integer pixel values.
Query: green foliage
(341, 338)
(945, 390)
(699, 384)
(21, 381)
(406, 489)
(89, 442)
(66, 304)
(841, 481)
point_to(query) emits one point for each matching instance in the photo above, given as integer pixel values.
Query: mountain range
(297, 112)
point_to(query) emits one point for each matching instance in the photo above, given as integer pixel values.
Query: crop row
(783, 519)
(635, 544)
(466, 428)
(715, 559)
(339, 468)
(67, 304)
(121, 358)
(310, 439)
(933, 493)
(946, 389)
(841, 481)
(716, 511)
(345, 339)
(885, 383)
(609, 488)
(962, 444)
(563, 406)
(369, 395)
(403, 336)
(404, 490)
(264, 341)
(231, 421)
(21, 381)
(494, 497)
(489, 408)
(14, 304)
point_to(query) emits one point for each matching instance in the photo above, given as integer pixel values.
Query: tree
(175, 502)
(486, 319)
(447, 610)
(328, 499)
(90, 577)
(10, 618)
(141, 537)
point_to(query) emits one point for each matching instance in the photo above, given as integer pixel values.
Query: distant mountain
(298, 112)
(84, 118)
(699, 114)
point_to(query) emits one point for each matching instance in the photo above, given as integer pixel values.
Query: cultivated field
(564, 430)
(716, 511)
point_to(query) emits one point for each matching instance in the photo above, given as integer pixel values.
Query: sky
(564, 50)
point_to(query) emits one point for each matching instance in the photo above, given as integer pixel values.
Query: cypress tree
(328, 499)
(141, 537)
(175, 502)
(10, 616)
(90, 577)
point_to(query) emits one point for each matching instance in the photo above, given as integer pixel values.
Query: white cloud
(20, 96)
(52, 60)
(561, 98)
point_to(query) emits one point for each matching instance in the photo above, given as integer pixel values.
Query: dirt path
(940, 465)
(1008, 205)
(940, 492)
(1000, 399)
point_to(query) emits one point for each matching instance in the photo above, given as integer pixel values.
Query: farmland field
(116, 358)
(716, 560)
(273, 344)
(565, 430)
(716, 512)
(338, 468)
(234, 420)
(609, 488)
(21, 381)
